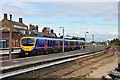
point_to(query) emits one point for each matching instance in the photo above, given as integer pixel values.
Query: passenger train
(42, 45)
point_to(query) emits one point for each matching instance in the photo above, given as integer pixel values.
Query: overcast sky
(98, 18)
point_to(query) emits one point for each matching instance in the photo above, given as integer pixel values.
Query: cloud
(98, 31)
(107, 10)
(87, 9)
(21, 9)
(64, 9)
(100, 35)
(62, 0)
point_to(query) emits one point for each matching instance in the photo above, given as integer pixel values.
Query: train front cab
(27, 44)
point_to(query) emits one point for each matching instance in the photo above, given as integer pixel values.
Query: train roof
(54, 39)
(71, 40)
(81, 41)
(57, 39)
(43, 38)
(38, 38)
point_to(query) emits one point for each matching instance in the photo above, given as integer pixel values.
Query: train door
(49, 44)
(61, 44)
(45, 44)
(58, 44)
(54, 44)
(69, 44)
(72, 45)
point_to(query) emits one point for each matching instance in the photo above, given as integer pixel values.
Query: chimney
(44, 30)
(11, 17)
(37, 27)
(5, 16)
(20, 20)
(30, 26)
(52, 31)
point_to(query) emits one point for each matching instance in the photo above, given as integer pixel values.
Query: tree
(77, 38)
(82, 39)
(115, 42)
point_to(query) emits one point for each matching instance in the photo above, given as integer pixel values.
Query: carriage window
(28, 42)
(66, 43)
(72, 43)
(45, 41)
(49, 42)
(77, 43)
(54, 42)
(82, 43)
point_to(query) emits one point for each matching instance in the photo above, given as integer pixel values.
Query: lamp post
(10, 40)
(93, 38)
(85, 37)
(63, 37)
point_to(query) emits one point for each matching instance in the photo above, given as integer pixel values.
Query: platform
(42, 58)
(6, 52)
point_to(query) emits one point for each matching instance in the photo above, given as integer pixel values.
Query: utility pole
(10, 40)
(93, 38)
(85, 37)
(63, 37)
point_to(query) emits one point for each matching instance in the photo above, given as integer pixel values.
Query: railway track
(67, 62)
(72, 71)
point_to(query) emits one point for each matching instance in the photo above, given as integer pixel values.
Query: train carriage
(57, 45)
(43, 45)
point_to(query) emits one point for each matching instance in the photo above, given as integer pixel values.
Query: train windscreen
(28, 42)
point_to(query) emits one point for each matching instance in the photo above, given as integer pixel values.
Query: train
(43, 45)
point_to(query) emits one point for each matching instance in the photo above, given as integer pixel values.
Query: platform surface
(6, 51)
(35, 59)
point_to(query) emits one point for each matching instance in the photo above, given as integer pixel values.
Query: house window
(22, 31)
(20, 27)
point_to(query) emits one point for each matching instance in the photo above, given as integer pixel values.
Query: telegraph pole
(10, 40)
(63, 37)
(93, 38)
(85, 37)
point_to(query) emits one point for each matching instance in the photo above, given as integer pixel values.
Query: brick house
(46, 32)
(33, 30)
(19, 29)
